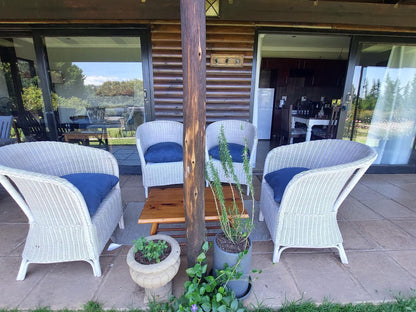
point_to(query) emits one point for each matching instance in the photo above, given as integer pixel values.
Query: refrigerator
(265, 113)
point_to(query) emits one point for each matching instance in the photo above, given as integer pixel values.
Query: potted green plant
(154, 261)
(232, 246)
(204, 292)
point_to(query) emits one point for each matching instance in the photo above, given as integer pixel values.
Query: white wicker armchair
(161, 173)
(306, 217)
(60, 226)
(236, 131)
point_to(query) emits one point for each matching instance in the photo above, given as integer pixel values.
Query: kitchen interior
(298, 70)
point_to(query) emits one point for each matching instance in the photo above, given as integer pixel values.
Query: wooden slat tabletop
(165, 205)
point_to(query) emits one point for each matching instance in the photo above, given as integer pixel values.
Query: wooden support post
(194, 90)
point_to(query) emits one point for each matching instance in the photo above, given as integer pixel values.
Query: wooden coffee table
(84, 137)
(165, 205)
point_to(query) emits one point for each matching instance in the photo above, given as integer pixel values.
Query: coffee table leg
(153, 229)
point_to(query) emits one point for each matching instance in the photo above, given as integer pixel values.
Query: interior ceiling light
(212, 8)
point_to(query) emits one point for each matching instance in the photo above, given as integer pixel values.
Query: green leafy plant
(151, 249)
(205, 292)
(233, 223)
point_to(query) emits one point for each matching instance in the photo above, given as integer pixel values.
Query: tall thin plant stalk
(235, 226)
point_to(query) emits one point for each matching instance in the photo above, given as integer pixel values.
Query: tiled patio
(378, 223)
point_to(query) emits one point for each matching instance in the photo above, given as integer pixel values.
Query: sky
(372, 74)
(99, 72)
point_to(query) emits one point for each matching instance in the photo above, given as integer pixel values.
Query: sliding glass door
(382, 110)
(83, 81)
(19, 86)
(97, 86)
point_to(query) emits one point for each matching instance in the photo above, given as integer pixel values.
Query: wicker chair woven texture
(161, 173)
(236, 131)
(306, 217)
(60, 226)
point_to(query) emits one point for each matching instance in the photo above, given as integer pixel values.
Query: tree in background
(72, 80)
(369, 99)
(120, 88)
(33, 99)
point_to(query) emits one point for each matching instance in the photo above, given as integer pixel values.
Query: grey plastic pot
(241, 287)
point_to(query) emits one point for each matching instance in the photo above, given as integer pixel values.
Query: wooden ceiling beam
(293, 12)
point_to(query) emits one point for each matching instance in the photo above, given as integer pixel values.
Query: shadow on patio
(377, 221)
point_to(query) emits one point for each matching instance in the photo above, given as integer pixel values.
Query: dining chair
(96, 115)
(287, 130)
(32, 129)
(5, 126)
(328, 132)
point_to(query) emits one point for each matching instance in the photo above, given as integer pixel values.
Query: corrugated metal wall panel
(228, 89)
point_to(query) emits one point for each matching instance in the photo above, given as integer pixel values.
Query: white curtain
(393, 124)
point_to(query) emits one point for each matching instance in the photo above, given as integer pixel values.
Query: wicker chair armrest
(140, 151)
(44, 189)
(57, 158)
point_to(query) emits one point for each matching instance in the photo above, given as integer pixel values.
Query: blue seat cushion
(236, 152)
(164, 152)
(94, 187)
(279, 179)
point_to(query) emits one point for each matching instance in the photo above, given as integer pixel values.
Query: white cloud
(99, 80)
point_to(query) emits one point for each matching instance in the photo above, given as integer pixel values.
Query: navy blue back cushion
(164, 152)
(236, 152)
(279, 179)
(94, 187)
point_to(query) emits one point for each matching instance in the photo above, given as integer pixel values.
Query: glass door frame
(353, 61)
(16, 33)
(39, 34)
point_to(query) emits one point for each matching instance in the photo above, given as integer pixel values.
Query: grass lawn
(400, 305)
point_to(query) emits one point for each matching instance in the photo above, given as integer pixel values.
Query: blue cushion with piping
(164, 152)
(94, 187)
(236, 152)
(279, 179)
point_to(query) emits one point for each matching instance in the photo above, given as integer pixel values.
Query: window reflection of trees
(122, 100)
(395, 92)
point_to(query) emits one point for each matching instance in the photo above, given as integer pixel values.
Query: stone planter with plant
(154, 261)
(232, 247)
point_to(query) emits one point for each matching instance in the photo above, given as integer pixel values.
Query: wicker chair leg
(277, 253)
(95, 263)
(146, 191)
(261, 216)
(121, 223)
(342, 253)
(23, 269)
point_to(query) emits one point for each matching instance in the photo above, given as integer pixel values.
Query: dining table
(310, 122)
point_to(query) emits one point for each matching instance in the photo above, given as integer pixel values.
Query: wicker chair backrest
(152, 132)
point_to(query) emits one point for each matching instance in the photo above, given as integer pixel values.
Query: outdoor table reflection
(310, 122)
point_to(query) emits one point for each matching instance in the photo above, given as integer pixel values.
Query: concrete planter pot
(242, 286)
(156, 278)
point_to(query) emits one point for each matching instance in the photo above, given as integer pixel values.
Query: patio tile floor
(377, 220)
